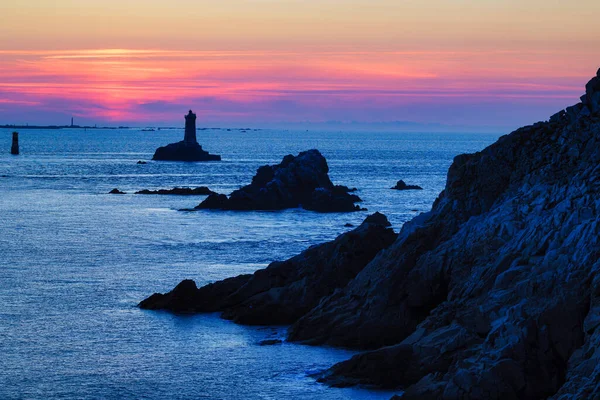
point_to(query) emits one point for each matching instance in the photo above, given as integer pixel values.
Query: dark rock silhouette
(300, 181)
(142, 162)
(180, 191)
(14, 149)
(495, 293)
(400, 185)
(116, 191)
(378, 218)
(188, 149)
(284, 291)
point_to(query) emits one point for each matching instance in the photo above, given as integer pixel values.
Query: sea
(75, 261)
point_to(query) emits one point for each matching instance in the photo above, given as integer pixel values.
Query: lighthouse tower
(190, 129)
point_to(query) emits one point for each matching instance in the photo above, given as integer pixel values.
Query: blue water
(75, 261)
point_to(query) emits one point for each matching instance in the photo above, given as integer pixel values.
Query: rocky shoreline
(284, 291)
(493, 294)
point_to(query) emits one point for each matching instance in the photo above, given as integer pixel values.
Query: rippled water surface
(75, 261)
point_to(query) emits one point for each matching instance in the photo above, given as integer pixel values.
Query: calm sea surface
(75, 261)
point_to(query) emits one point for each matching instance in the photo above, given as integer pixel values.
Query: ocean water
(75, 261)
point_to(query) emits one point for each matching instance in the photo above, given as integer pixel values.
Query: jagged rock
(493, 294)
(400, 185)
(116, 191)
(284, 291)
(300, 181)
(332, 200)
(214, 201)
(187, 298)
(141, 162)
(188, 149)
(378, 218)
(181, 191)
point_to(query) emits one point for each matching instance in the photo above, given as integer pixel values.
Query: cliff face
(495, 293)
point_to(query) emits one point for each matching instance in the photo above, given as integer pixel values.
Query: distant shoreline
(60, 127)
(149, 129)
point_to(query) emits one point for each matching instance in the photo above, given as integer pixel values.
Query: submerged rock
(400, 185)
(116, 191)
(188, 149)
(285, 290)
(180, 191)
(300, 181)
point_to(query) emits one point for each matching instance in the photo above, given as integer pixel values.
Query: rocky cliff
(495, 293)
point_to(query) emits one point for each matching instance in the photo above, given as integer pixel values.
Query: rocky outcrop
(400, 185)
(116, 191)
(300, 181)
(493, 294)
(284, 291)
(180, 191)
(188, 149)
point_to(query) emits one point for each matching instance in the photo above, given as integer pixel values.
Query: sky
(456, 64)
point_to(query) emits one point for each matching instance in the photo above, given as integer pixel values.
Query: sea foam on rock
(300, 181)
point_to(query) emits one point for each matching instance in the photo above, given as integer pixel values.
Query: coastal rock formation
(493, 294)
(188, 149)
(180, 191)
(116, 191)
(400, 185)
(284, 291)
(300, 181)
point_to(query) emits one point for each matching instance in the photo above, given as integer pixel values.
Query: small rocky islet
(493, 294)
(188, 149)
(401, 185)
(298, 181)
(178, 191)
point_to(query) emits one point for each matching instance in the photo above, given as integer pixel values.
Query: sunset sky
(479, 64)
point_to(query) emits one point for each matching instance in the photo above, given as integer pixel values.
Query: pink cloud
(118, 85)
